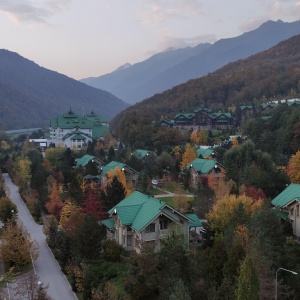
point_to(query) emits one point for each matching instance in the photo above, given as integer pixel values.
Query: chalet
(203, 118)
(131, 174)
(142, 220)
(205, 153)
(142, 154)
(74, 131)
(202, 167)
(287, 205)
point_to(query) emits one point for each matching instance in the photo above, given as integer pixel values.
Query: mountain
(128, 82)
(268, 75)
(170, 68)
(31, 95)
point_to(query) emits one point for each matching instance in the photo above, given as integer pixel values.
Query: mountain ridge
(31, 95)
(140, 81)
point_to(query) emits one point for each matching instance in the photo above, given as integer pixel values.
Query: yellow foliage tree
(4, 145)
(188, 156)
(222, 213)
(202, 138)
(120, 176)
(293, 168)
(16, 245)
(194, 137)
(24, 168)
(235, 143)
(68, 208)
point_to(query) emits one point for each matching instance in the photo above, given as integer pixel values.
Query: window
(150, 228)
(129, 240)
(298, 210)
(163, 224)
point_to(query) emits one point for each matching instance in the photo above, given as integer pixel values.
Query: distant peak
(169, 49)
(123, 67)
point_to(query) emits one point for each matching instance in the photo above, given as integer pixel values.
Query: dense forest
(270, 75)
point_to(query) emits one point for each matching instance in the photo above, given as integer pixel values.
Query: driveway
(46, 266)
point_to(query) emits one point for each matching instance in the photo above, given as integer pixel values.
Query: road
(46, 266)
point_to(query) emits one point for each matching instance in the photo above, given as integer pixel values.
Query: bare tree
(28, 286)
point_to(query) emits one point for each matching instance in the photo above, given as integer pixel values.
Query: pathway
(46, 266)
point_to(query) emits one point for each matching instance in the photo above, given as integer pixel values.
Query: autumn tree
(54, 205)
(121, 176)
(68, 208)
(223, 211)
(16, 247)
(188, 156)
(93, 205)
(293, 168)
(202, 138)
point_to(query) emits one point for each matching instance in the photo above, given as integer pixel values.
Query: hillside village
(200, 211)
(192, 193)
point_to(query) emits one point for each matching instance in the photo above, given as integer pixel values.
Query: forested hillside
(31, 95)
(269, 75)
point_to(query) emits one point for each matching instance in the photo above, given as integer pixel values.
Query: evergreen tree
(115, 192)
(248, 285)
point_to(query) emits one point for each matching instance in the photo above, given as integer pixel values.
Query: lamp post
(293, 272)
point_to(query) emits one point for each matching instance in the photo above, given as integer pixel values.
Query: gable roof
(139, 210)
(84, 160)
(196, 221)
(288, 195)
(203, 166)
(141, 153)
(111, 166)
(204, 152)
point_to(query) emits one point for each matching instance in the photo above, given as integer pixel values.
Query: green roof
(138, 210)
(282, 214)
(90, 121)
(78, 137)
(196, 221)
(111, 166)
(110, 223)
(203, 166)
(204, 152)
(84, 160)
(289, 194)
(140, 153)
(99, 131)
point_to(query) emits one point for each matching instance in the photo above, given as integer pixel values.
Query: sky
(89, 38)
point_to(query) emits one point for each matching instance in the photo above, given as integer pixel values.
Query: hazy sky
(83, 38)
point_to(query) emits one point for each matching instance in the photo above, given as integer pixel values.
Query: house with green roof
(73, 131)
(204, 118)
(204, 153)
(131, 174)
(140, 220)
(287, 205)
(142, 154)
(202, 167)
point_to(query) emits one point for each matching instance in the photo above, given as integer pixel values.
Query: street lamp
(293, 272)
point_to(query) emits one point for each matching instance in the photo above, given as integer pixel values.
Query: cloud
(284, 10)
(26, 11)
(157, 11)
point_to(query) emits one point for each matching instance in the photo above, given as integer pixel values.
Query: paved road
(46, 266)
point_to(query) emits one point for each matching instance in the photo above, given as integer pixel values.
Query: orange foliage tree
(293, 168)
(54, 205)
(223, 211)
(188, 156)
(120, 175)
